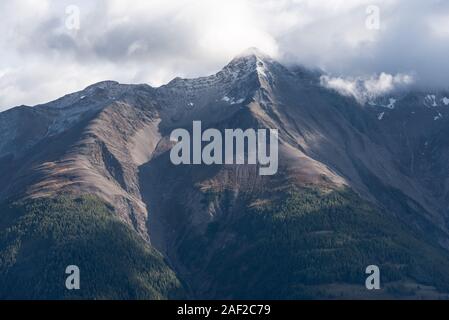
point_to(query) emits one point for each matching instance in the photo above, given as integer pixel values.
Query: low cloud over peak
(364, 88)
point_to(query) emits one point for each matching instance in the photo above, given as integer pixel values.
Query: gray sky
(44, 55)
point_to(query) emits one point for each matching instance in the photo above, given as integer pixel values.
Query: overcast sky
(44, 55)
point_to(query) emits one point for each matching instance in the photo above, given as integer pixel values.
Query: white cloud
(153, 41)
(385, 83)
(363, 89)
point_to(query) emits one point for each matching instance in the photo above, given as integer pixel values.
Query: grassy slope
(39, 238)
(306, 241)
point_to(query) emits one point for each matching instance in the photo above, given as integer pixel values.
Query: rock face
(112, 141)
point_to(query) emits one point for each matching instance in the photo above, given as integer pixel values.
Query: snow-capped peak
(253, 52)
(250, 61)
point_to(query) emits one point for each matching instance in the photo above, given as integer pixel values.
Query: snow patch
(260, 67)
(438, 117)
(391, 104)
(380, 116)
(446, 101)
(430, 101)
(232, 100)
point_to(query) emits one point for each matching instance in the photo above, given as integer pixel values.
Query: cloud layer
(156, 40)
(362, 88)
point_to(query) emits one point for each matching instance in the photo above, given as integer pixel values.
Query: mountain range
(87, 181)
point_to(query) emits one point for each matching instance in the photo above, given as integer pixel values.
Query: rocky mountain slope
(357, 185)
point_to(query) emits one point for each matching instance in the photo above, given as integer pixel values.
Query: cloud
(153, 41)
(363, 89)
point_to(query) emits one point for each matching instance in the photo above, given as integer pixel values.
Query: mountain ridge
(112, 141)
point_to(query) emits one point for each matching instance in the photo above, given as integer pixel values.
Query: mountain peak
(103, 84)
(251, 56)
(250, 60)
(253, 52)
